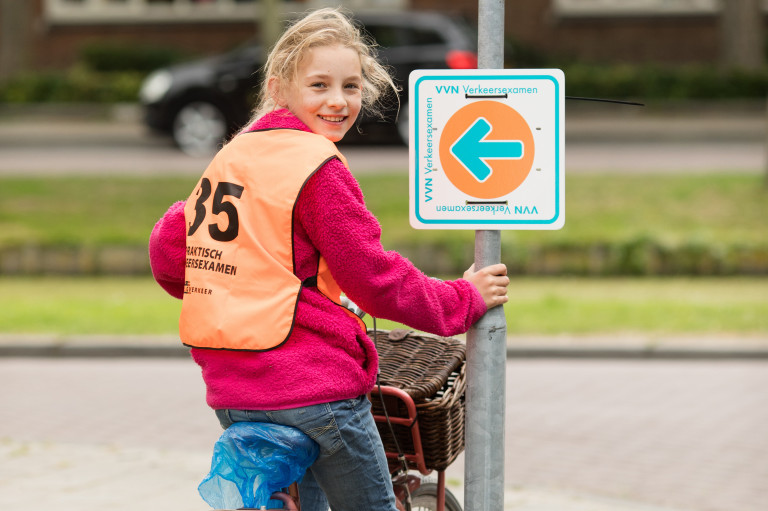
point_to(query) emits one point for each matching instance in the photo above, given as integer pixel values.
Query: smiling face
(326, 93)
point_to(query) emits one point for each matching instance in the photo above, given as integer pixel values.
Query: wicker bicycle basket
(430, 369)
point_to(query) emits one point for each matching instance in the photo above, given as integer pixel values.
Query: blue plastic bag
(252, 460)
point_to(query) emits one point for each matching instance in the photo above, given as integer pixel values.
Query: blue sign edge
(556, 216)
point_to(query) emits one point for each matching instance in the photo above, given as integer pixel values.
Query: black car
(200, 103)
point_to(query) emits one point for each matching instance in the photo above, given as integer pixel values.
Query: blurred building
(37, 34)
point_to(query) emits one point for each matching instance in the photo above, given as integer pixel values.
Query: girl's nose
(336, 98)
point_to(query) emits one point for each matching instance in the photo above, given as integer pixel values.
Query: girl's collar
(282, 118)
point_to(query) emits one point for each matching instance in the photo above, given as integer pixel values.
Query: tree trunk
(741, 31)
(15, 21)
(271, 27)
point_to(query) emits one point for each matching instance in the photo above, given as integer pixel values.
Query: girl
(275, 228)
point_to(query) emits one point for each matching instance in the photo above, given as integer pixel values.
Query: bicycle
(393, 408)
(412, 493)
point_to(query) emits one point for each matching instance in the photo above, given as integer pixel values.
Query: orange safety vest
(240, 290)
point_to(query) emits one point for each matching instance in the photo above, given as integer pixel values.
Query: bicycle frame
(290, 500)
(415, 459)
(403, 482)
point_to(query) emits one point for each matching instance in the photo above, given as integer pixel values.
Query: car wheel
(199, 128)
(403, 128)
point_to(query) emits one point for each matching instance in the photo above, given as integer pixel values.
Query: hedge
(98, 81)
(639, 257)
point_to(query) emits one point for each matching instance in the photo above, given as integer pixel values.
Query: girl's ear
(273, 86)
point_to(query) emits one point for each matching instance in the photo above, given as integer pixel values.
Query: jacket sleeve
(383, 283)
(167, 250)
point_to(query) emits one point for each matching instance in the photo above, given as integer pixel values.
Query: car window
(389, 36)
(385, 35)
(421, 37)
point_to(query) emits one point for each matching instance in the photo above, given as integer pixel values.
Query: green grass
(85, 210)
(713, 210)
(664, 306)
(538, 306)
(674, 209)
(69, 306)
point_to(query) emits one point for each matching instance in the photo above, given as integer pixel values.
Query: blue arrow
(472, 150)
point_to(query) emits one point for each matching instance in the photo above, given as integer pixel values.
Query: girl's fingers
(496, 269)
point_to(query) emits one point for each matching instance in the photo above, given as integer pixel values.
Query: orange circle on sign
(506, 174)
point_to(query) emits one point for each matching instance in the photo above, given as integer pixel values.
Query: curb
(650, 353)
(165, 347)
(85, 351)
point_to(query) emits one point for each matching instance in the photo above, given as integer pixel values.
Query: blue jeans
(351, 472)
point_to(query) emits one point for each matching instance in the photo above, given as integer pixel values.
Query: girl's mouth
(332, 118)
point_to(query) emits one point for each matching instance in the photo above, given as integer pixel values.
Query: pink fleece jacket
(327, 357)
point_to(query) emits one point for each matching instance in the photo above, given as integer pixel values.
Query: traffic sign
(486, 149)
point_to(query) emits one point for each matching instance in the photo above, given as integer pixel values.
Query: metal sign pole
(486, 340)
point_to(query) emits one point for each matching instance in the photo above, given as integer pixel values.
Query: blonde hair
(324, 27)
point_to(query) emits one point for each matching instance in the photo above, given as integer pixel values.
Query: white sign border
(554, 75)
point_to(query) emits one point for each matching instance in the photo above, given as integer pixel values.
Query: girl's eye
(352, 86)
(317, 85)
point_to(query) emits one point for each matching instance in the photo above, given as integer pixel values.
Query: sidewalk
(581, 435)
(148, 442)
(96, 477)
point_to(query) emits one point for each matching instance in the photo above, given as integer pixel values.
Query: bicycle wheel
(425, 499)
